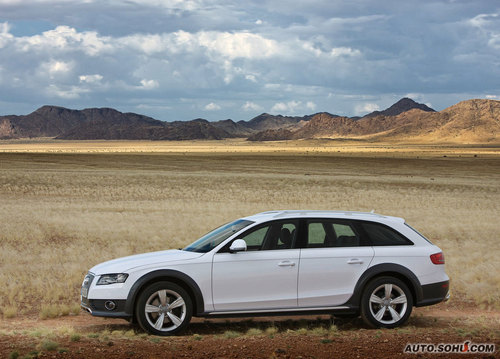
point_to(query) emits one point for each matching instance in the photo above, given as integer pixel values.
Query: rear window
(417, 232)
(381, 235)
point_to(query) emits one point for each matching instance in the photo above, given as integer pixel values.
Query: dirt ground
(84, 336)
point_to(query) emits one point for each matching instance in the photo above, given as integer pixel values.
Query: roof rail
(305, 212)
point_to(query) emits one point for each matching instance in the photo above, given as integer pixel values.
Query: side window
(287, 236)
(255, 239)
(381, 235)
(277, 235)
(316, 235)
(346, 237)
(331, 233)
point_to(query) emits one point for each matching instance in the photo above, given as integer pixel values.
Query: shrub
(229, 334)
(9, 312)
(75, 337)
(49, 345)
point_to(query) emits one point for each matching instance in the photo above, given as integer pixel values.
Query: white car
(279, 262)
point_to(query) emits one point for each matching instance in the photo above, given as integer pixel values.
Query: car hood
(124, 264)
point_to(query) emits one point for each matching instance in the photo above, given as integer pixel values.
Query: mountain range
(471, 121)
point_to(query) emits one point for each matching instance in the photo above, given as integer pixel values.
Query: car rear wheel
(164, 308)
(386, 303)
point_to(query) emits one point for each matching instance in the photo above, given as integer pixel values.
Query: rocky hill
(103, 123)
(403, 105)
(471, 121)
(271, 135)
(266, 121)
(236, 129)
(47, 121)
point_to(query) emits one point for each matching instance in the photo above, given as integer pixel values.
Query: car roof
(286, 214)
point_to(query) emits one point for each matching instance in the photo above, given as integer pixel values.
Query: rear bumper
(434, 293)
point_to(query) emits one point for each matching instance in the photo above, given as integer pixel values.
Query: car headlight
(112, 278)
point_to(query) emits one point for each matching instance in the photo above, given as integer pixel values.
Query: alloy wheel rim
(165, 310)
(388, 303)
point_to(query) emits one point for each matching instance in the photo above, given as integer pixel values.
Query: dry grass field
(66, 206)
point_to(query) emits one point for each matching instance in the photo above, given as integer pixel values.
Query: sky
(220, 59)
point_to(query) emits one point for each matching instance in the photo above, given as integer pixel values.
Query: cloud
(311, 105)
(66, 39)
(149, 44)
(489, 26)
(251, 106)
(225, 44)
(149, 84)
(212, 107)
(484, 20)
(321, 49)
(238, 45)
(251, 78)
(4, 27)
(187, 5)
(289, 107)
(419, 97)
(54, 67)
(344, 51)
(364, 108)
(91, 79)
(494, 40)
(32, 2)
(55, 70)
(155, 107)
(65, 92)
(5, 36)
(281, 56)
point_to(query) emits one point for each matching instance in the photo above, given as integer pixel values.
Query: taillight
(437, 258)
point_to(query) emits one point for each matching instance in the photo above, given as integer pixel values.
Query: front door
(264, 276)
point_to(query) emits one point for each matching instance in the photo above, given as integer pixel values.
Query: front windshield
(212, 239)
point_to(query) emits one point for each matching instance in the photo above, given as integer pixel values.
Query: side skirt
(279, 312)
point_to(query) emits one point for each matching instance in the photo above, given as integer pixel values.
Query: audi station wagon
(274, 263)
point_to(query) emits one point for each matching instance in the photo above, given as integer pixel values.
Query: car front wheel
(164, 308)
(386, 303)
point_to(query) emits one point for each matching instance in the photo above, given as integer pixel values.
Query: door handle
(286, 264)
(355, 261)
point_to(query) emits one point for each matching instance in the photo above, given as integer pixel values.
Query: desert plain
(68, 205)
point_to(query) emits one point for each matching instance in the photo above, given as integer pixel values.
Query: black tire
(155, 301)
(386, 303)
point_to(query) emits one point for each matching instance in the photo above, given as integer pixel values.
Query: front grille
(87, 281)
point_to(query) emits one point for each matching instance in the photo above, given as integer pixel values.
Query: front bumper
(101, 307)
(97, 307)
(434, 293)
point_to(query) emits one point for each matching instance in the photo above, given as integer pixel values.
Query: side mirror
(238, 245)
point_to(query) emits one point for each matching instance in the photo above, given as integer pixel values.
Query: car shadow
(243, 325)
(220, 326)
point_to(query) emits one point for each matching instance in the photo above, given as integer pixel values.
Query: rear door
(333, 257)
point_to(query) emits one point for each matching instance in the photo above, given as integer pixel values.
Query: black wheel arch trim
(386, 269)
(166, 274)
